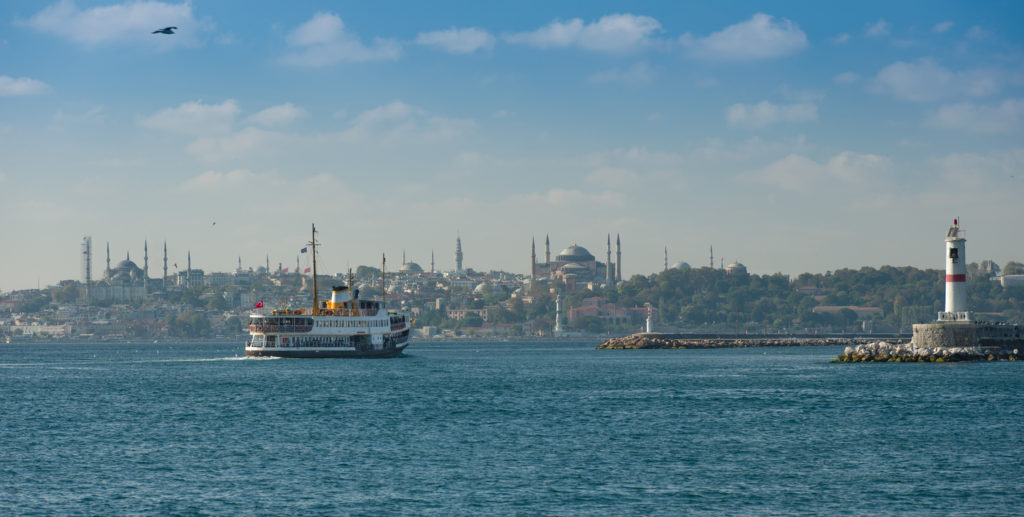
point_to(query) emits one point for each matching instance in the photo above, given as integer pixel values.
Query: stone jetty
(882, 351)
(654, 341)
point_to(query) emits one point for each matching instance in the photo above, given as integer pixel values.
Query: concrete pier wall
(951, 334)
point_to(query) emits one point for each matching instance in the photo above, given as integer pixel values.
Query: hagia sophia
(575, 267)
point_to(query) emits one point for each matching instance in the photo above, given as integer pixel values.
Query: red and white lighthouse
(956, 274)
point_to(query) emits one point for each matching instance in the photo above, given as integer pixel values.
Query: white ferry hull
(325, 353)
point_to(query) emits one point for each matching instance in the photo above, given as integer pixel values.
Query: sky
(793, 137)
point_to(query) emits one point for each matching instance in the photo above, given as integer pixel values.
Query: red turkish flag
(259, 305)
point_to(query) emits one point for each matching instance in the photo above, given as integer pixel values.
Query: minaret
(297, 270)
(108, 259)
(145, 265)
(188, 271)
(403, 257)
(608, 280)
(165, 266)
(711, 263)
(547, 252)
(533, 258)
(431, 261)
(268, 264)
(618, 258)
(666, 258)
(239, 262)
(458, 254)
(956, 274)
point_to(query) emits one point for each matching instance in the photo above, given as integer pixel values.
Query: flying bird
(165, 30)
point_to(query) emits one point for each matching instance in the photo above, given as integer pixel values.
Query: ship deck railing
(280, 328)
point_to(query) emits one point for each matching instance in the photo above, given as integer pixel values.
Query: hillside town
(567, 294)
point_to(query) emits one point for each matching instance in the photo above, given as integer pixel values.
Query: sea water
(472, 428)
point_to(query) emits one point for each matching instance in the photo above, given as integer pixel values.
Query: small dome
(573, 267)
(574, 253)
(735, 267)
(681, 265)
(482, 288)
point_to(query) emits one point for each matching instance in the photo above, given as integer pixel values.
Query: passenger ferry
(345, 326)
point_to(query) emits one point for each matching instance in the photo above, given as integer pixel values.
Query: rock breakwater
(669, 341)
(881, 351)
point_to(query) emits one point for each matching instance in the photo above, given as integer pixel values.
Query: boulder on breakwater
(655, 341)
(881, 351)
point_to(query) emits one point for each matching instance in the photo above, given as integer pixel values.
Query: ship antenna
(316, 301)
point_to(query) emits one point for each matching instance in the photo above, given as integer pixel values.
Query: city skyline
(792, 139)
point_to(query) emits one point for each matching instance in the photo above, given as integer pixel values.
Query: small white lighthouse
(558, 314)
(956, 275)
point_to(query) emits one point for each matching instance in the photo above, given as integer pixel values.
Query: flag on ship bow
(259, 305)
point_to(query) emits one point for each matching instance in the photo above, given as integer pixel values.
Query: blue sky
(791, 137)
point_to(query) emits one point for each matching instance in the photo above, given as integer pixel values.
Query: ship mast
(383, 286)
(316, 301)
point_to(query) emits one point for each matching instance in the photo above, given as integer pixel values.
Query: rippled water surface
(504, 428)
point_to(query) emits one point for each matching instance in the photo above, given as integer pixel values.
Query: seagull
(165, 30)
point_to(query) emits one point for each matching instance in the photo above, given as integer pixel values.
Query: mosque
(575, 267)
(126, 281)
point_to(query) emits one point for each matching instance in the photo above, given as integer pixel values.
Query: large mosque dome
(411, 267)
(681, 265)
(574, 253)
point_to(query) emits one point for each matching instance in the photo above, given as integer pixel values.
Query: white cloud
(766, 113)
(275, 116)
(323, 41)
(611, 33)
(457, 41)
(798, 173)
(639, 73)
(213, 180)
(396, 110)
(613, 177)
(21, 86)
(760, 37)
(842, 38)
(878, 29)
(194, 118)
(1004, 117)
(560, 197)
(131, 22)
(234, 145)
(846, 78)
(399, 123)
(926, 80)
(942, 26)
(977, 33)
